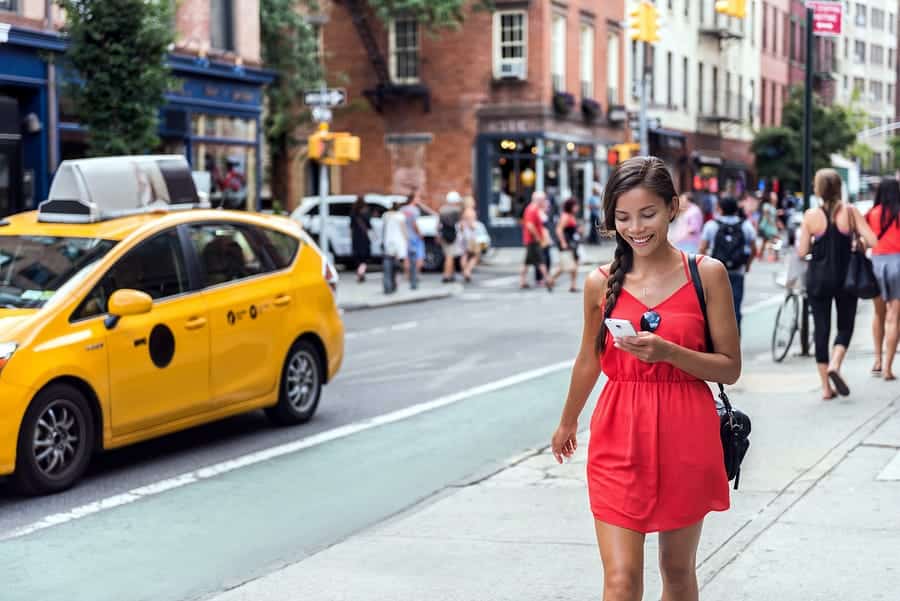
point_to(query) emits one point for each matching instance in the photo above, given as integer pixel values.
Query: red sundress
(655, 457)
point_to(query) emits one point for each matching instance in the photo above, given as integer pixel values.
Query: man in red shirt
(532, 235)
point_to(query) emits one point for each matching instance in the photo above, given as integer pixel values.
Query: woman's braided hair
(651, 174)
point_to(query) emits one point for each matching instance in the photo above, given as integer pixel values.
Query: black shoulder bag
(734, 425)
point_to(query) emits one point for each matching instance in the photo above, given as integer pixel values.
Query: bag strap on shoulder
(701, 298)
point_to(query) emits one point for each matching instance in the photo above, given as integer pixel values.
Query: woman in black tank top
(826, 275)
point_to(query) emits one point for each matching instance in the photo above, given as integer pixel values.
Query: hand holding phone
(619, 328)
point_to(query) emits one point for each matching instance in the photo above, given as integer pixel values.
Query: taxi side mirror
(127, 302)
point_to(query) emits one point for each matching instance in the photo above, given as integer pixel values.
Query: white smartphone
(619, 327)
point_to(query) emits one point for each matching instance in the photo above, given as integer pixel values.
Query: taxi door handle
(195, 323)
(282, 301)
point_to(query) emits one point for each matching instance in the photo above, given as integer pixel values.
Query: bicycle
(793, 315)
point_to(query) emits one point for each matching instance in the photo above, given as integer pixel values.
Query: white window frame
(498, 42)
(587, 34)
(393, 51)
(558, 52)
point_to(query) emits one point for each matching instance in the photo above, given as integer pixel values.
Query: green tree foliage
(894, 142)
(433, 14)
(118, 50)
(779, 150)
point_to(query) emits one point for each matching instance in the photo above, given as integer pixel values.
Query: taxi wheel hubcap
(302, 381)
(58, 437)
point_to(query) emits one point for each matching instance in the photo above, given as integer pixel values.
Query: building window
(750, 104)
(513, 164)
(558, 53)
(404, 50)
(587, 60)
(728, 98)
(751, 22)
(669, 100)
(859, 52)
(684, 83)
(740, 100)
(846, 48)
(715, 90)
(221, 24)
(892, 22)
(876, 91)
(860, 15)
(700, 88)
(890, 93)
(765, 26)
(877, 19)
(687, 8)
(846, 83)
(635, 70)
(859, 85)
(510, 44)
(890, 58)
(651, 71)
(762, 105)
(613, 55)
(9, 5)
(700, 4)
(877, 57)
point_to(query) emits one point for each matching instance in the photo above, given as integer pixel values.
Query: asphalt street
(294, 504)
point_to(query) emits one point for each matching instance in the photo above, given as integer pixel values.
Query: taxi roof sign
(91, 190)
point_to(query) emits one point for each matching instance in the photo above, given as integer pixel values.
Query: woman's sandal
(890, 377)
(829, 397)
(839, 383)
(876, 372)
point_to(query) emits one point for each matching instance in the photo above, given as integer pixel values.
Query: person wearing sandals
(827, 232)
(655, 454)
(885, 218)
(567, 232)
(878, 303)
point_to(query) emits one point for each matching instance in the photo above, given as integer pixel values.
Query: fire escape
(386, 90)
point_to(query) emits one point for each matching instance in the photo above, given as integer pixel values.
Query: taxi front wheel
(301, 385)
(56, 440)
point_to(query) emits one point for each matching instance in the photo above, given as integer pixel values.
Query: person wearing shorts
(532, 237)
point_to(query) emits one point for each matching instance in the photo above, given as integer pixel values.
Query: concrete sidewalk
(816, 517)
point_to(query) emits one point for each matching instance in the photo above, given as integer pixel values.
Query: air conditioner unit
(512, 69)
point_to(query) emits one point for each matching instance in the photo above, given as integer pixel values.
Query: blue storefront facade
(213, 117)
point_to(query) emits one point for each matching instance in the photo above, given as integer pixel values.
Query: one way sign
(327, 97)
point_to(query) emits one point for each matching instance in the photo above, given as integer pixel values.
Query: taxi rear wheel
(56, 440)
(301, 385)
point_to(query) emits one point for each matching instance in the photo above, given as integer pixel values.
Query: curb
(392, 302)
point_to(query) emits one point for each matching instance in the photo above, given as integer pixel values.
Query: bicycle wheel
(785, 327)
(810, 333)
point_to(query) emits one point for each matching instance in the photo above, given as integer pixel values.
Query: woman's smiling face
(642, 219)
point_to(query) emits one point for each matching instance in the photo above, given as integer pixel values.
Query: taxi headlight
(6, 352)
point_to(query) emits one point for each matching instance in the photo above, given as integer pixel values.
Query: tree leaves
(118, 50)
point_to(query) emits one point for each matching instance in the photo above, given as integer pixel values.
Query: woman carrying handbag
(828, 232)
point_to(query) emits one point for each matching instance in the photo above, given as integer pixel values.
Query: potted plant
(590, 109)
(563, 102)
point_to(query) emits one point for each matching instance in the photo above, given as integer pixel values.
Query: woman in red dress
(655, 458)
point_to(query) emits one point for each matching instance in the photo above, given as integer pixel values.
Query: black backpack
(729, 245)
(448, 231)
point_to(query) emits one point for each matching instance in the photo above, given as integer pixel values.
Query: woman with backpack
(730, 239)
(827, 232)
(884, 218)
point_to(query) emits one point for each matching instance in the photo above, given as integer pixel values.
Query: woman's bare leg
(622, 554)
(678, 563)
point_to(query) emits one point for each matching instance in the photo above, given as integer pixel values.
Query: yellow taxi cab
(128, 311)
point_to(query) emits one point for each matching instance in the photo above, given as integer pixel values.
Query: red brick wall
(457, 67)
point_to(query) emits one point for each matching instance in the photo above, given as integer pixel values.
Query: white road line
(397, 327)
(249, 459)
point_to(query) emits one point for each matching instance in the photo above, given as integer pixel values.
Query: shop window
(9, 5)
(221, 24)
(513, 179)
(404, 50)
(510, 44)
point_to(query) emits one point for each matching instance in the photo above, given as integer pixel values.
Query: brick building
(526, 97)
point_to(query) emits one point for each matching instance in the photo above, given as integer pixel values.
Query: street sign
(827, 17)
(326, 97)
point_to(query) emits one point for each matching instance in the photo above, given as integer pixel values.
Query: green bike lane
(218, 532)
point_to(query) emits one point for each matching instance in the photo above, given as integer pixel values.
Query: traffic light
(333, 148)
(622, 152)
(346, 147)
(732, 8)
(644, 23)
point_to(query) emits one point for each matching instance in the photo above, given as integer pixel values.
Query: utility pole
(643, 27)
(807, 110)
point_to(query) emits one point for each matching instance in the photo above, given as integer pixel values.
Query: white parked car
(339, 206)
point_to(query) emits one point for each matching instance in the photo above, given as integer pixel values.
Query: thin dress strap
(684, 263)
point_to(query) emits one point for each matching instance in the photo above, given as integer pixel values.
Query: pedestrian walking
(884, 218)
(685, 231)
(655, 453)
(594, 213)
(533, 235)
(826, 232)
(395, 249)
(731, 240)
(568, 233)
(468, 233)
(448, 219)
(768, 229)
(360, 225)
(415, 243)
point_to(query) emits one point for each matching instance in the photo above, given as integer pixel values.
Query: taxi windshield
(34, 268)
